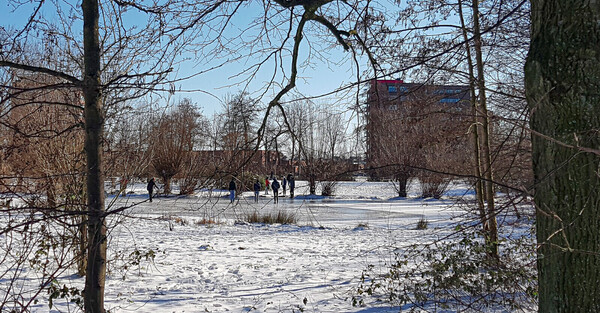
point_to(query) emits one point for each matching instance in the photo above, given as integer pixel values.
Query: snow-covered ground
(229, 265)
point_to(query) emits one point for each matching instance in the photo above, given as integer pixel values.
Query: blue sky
(315, 79)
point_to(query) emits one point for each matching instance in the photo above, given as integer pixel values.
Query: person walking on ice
(267, 184)
(283, 185)
(150, 187)
(232, 188)
(256, 190)
(292, 183)
(275, 186)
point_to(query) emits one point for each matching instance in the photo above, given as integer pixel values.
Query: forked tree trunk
(475, 132)
(486, 156)
(562, 80)
(480, 135)
(94, 126)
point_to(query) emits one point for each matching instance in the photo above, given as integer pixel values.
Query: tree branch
(336, 32)
(37, 69)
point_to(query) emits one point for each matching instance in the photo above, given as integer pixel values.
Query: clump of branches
(433, 185)
(455, 274)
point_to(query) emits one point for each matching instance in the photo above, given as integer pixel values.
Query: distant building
(407, 123)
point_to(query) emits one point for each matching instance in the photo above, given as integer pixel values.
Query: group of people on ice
(271, 184)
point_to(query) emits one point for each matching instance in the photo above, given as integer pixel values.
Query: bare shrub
(279, 217)
(328, 188)
(455, 275)
(204, 222)
(422, 224)
(433, 185)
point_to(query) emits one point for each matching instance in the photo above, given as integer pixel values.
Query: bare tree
(46, 150)
(127, 146)
(172, 141)
(106, 58)
(320, 132)
(241, 113)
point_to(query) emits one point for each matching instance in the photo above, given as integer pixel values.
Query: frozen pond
(234, 266)
(355, 202)
(318, 212)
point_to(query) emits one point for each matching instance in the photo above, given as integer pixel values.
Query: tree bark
(562, 79)
(81, 246)
(402, 179)
(167, 185)
(312, 181)
(94, 126)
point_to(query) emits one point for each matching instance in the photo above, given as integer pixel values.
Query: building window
(449, 100)
(392, 89)
(394, 107)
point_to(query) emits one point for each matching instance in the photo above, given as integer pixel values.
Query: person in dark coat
(275, 186)
(150, 187)
(256, 190)
(232, 188)
(283, 185)
(292, 183)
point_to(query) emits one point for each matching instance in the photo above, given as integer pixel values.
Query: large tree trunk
(96, 264)
(167, 185)
(563, 91)
(402, 179)
(312, 182)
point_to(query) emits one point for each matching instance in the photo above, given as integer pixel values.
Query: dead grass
(422, 224)
(174, 219)
(204, 222)
(280, 217)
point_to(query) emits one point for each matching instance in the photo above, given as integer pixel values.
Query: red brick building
(412, 125)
